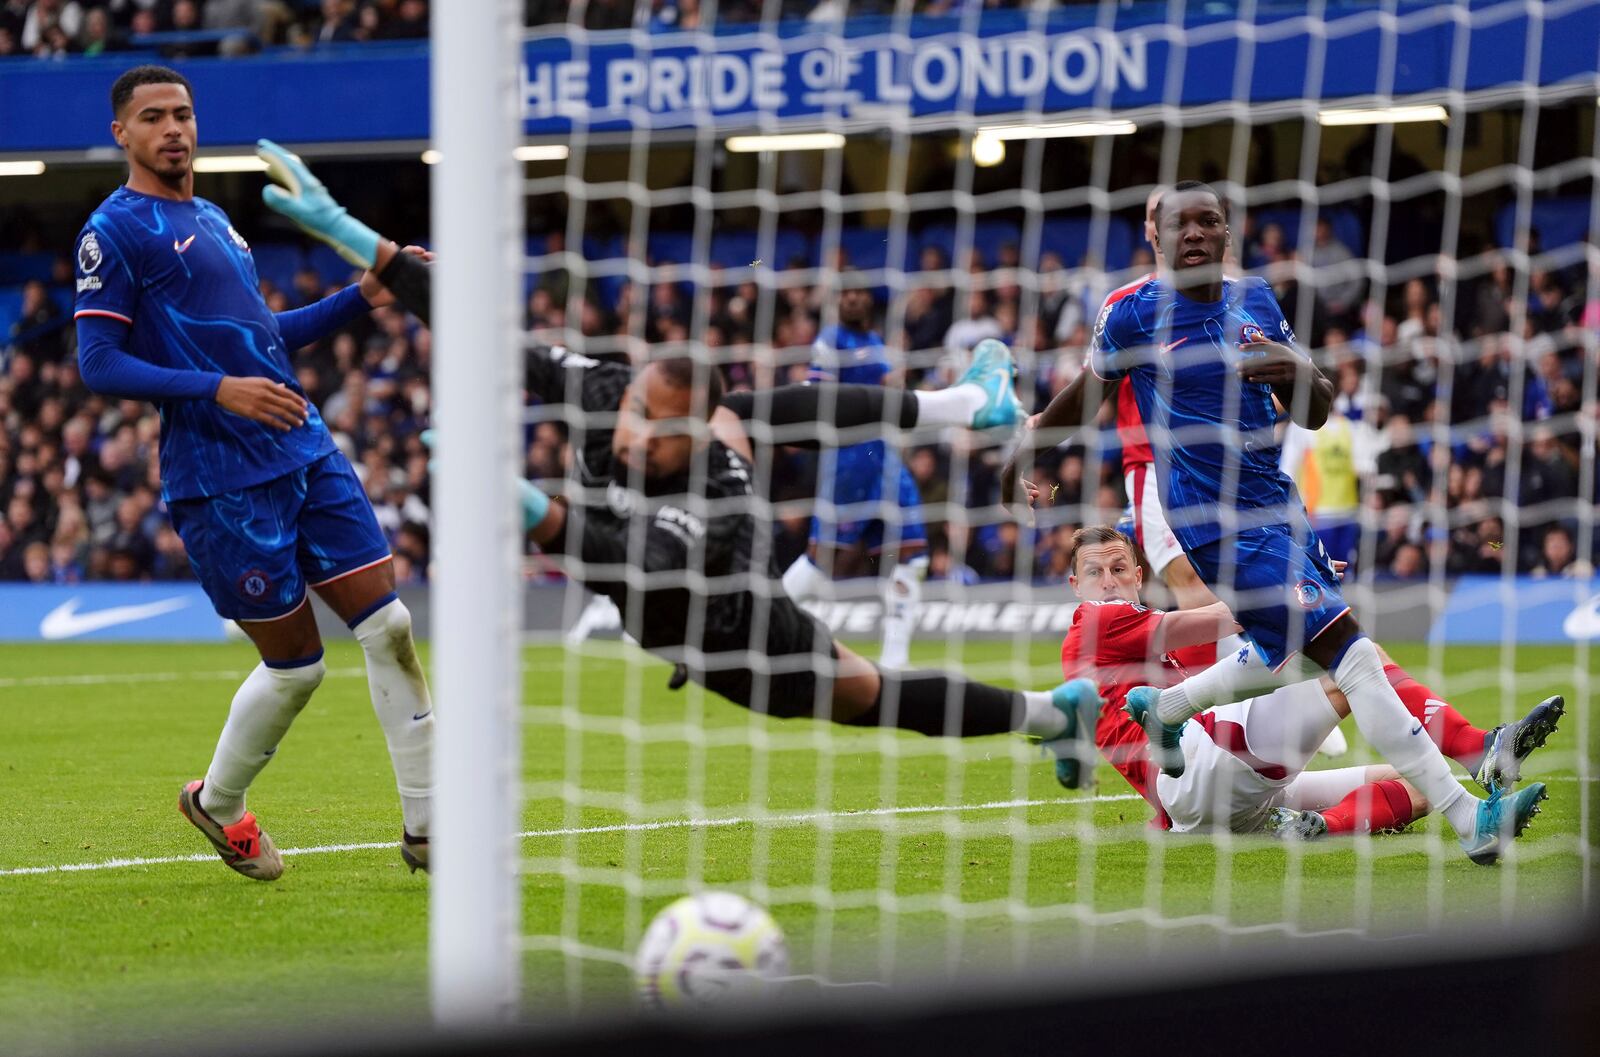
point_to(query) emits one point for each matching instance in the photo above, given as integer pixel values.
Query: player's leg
(938, 703)
(981, 399)
(905, 546)
(847, 477)
(244, 559)
(345, 557)
(1493, 757)
(801, 671)
(1348, 800)
(1156, 538)
(805, 579)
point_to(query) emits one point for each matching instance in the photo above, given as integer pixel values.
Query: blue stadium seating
(1559, 221)
(1346, 226)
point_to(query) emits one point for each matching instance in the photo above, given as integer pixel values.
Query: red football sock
(1449, 729)
(1373, 808)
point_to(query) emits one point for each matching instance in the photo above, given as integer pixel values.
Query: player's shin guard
(1389, 728)
(400, 698)
(902, 602)
(262, 710)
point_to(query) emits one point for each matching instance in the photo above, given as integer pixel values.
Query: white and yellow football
(709, 949)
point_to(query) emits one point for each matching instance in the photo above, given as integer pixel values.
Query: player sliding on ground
(659, 513)
(1245, 763)
(169, 310)
(1206, 357)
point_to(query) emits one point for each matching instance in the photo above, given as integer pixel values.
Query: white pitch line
(149, 677)
(620, 827)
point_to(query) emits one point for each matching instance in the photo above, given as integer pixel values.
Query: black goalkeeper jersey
(678, 559)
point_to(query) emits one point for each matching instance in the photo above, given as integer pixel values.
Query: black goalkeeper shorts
(798, 663)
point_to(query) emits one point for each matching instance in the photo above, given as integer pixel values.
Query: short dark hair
(682, 372)
(122, 90)
(1192, 185)
(1093, 535)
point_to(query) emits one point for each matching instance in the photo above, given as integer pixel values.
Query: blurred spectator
(45, 16)
(1558, 556)
(977, 323)
(339, 22)
(1338, 273)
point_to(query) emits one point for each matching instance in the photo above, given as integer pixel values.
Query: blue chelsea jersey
(1212, 433)
(183, 280)
(844, 354)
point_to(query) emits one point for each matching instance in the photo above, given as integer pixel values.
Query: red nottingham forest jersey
(1111, 643)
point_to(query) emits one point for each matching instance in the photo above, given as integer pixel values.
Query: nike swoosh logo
(65, 622)
(1584, 622)
(1164, 348)
(421, 715)
(1417, 729)
(185, 244)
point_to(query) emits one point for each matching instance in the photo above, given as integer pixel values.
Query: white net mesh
(1439, 270)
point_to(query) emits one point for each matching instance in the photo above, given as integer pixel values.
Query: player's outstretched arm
(304, 200)
(1071, 409)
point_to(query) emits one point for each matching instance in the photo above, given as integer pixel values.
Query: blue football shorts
(857, 480)
(1278, 582)
(256, 550)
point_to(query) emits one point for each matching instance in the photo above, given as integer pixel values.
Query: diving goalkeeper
(658, 514)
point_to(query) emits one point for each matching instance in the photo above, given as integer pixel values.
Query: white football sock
(400, 698)
(1398, 737)
(803, 580)
(902, 601)
(954, 406)
(263, 708)
(1231, 679)
(1041, 717)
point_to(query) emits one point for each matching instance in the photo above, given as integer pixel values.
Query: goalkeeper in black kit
(659, 514)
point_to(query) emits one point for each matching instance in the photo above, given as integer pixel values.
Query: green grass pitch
(95, 742)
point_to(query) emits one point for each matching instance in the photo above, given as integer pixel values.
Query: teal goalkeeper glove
(304, 200)
(535, 504)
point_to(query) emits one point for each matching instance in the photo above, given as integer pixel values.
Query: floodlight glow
(1064, 128)
(796, 141)
(541, 152)
(987, 150)
(230, 163)
(1383, 115)
(21, 168)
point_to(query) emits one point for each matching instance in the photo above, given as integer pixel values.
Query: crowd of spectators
(1431, 401)
(180, 29)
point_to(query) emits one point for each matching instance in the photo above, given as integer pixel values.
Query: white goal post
(475, 920)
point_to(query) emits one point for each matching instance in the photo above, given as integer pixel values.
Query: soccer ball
(709, 949)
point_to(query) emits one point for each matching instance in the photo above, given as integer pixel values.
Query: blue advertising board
(863, 70)
(1484, 610)
(162, 612)
(1489, 610)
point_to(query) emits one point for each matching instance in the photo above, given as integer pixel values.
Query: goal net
(1414, 185)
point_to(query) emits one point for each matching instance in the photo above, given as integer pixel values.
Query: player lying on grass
(659, 513)
(169, 310)
(1210, 359)
(1245, 762)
